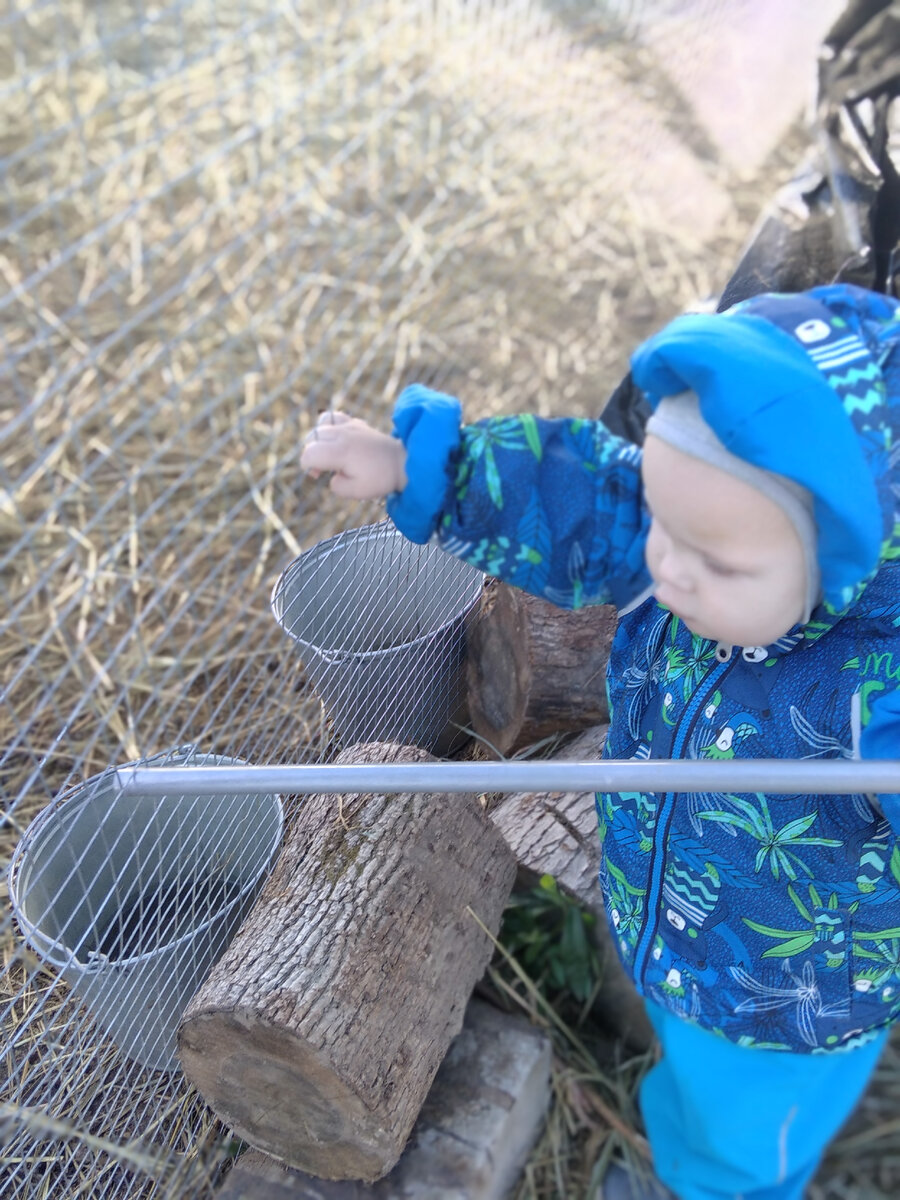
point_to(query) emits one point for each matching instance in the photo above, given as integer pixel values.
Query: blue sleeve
(881, 739)
(427, 423)
(554, 507)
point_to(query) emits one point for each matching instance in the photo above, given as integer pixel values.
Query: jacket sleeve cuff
(428, 424)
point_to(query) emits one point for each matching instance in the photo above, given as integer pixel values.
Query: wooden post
(535, 669)
(318, 1033)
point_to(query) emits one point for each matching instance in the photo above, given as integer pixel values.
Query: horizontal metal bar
(770, 775)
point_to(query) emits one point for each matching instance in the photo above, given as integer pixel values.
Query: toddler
(751, 549)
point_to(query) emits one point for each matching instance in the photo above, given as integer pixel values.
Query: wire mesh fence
(217, 220)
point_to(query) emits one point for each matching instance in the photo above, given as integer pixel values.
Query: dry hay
(243, 225)
(218, 220)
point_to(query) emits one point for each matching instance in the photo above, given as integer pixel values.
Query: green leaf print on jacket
(689, 665)
(820, 919)
(886, 950)
(479, 442)
(625, 904)
(775, 844)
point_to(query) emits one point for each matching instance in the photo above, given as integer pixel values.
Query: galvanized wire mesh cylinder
(380, 625)
(133, 898)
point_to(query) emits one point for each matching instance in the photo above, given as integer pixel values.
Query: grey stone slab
(482, 1115)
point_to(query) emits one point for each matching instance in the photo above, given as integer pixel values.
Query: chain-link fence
(217, 220)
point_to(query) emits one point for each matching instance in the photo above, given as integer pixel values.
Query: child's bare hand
(364, 463)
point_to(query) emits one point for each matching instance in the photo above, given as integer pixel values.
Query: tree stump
(319, 1032)
(535, 669)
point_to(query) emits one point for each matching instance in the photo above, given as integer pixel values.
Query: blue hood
(808, 386)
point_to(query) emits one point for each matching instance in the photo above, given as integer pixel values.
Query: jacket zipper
(664, 819)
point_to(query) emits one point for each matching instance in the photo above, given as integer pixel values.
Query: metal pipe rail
(772, 776)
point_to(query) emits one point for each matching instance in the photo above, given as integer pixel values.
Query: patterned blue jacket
(773, 920)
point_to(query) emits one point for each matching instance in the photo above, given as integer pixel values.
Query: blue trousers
(728, 1122)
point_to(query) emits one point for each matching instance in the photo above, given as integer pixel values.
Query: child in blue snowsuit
(753, 552)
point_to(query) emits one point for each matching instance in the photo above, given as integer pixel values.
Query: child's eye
(720, 569)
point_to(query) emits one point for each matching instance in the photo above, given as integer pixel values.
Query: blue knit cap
(765, 373)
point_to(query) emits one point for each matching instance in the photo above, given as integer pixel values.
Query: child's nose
(671, 570)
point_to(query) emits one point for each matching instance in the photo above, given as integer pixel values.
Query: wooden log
(484, 1112)
(535, 669)
(319, 1032)
(555, 833)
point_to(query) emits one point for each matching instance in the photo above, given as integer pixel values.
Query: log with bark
(555, 833)
(318, 1033)
(535, 669)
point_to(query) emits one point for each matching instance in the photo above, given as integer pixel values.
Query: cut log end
(499, 673)
(284, 1097)
(535, 669)
(318, 1032)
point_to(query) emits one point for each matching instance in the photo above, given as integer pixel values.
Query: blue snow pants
(727, 1122)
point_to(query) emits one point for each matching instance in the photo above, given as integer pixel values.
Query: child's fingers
(321, 455)
(332, 417)
(326, 430)
(328, 433)
(348, 487)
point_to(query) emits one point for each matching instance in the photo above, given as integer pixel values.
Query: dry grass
(79, 1119)
(215, 221)
(222, 230)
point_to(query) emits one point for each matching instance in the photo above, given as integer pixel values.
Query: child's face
(723, 556)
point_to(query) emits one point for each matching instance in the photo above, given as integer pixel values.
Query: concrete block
(482, 1115)
(747, 67)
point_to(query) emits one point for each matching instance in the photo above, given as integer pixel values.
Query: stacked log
(535, 669)
(318, 1033)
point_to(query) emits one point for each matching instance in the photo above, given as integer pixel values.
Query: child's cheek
(730, 597)
(652, 550)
